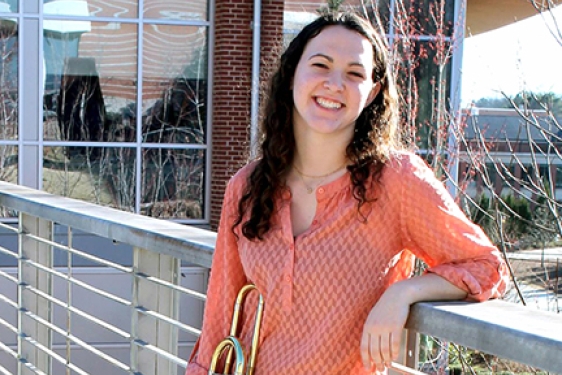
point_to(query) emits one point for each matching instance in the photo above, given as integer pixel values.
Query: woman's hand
(382, 331)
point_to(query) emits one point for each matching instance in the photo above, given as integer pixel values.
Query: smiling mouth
(328, 103)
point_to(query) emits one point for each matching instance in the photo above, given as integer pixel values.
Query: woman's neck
(317, 156)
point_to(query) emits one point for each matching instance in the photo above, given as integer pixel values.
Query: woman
(328, 221)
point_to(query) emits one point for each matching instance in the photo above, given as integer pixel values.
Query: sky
(521, 56)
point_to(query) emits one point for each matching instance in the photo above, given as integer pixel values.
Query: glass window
(9, 163)
(105, 129)
(173, 183)
(101, 175)
(91, 85)
(8, 101)
(174, 84)
(176, 9)
(8, 80)
(95, 8)
(7, 6)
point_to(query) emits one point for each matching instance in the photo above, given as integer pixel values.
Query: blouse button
(292, 247)
(288, 279)
(321, 190)
(314, 222)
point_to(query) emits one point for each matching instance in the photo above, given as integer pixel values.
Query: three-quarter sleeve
(226, 279)
(437, 231)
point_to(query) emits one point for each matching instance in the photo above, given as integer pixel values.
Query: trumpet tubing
(231, 344)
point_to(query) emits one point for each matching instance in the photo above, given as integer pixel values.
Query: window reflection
(90, 83)
(174, 84)
(173, 183)
(176, 9)
(90, 97)
(96, 8)
(80, 106)
(8, 172)
(107, 179)
(9, 163)
(178, 116)
(8, 79)
(7, 6)
(8, 98)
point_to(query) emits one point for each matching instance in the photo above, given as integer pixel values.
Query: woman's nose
(334, 82)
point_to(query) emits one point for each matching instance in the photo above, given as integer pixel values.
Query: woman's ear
(373, 94)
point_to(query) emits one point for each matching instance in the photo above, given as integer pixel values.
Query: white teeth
(328, 103)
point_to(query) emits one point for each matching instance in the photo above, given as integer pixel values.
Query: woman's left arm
(462, 261)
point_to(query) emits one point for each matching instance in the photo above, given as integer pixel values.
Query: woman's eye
(357, 74)
(320, 65)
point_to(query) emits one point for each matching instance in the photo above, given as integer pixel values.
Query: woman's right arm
(226, 278)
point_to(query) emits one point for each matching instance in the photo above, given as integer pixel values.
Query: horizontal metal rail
(84, 255)
(404, 370)
(75, 339)
(178, 288)
(184, 242)
(170, 321)
(9, 228)
(533, 337)
(53, 355)
(8, 253)
(75, 281)
(79, 312)
(170, 357)
(109, 296)
(9, 326)
(9, 277)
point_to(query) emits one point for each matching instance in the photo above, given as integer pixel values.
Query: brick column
(232, 86)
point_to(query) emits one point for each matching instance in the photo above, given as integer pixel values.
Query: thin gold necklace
(310, 189)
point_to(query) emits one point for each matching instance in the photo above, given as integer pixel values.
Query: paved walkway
(535, 295)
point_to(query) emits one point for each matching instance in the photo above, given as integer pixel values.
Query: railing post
(409, 351)
(163, 300)
(29, 302)
(412, 353)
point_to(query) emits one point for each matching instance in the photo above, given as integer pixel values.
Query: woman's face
(333, 82)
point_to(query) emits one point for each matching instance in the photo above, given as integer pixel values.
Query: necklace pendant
(309, 190)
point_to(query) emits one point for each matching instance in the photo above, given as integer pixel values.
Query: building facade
(150, 106)
(516, 153)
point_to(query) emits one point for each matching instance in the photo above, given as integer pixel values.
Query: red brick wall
(232, 86)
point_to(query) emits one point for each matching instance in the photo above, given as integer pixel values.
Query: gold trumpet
(232, 343)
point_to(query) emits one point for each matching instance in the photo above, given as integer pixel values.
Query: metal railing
(68, 308)
(110, 317)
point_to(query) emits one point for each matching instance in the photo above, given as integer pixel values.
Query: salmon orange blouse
(320, 286)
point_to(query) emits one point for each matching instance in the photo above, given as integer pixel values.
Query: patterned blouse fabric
(320, 286)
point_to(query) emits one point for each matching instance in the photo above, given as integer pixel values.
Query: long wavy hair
(374, 137)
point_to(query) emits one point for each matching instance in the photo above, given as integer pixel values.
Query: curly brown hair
(374, 137)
